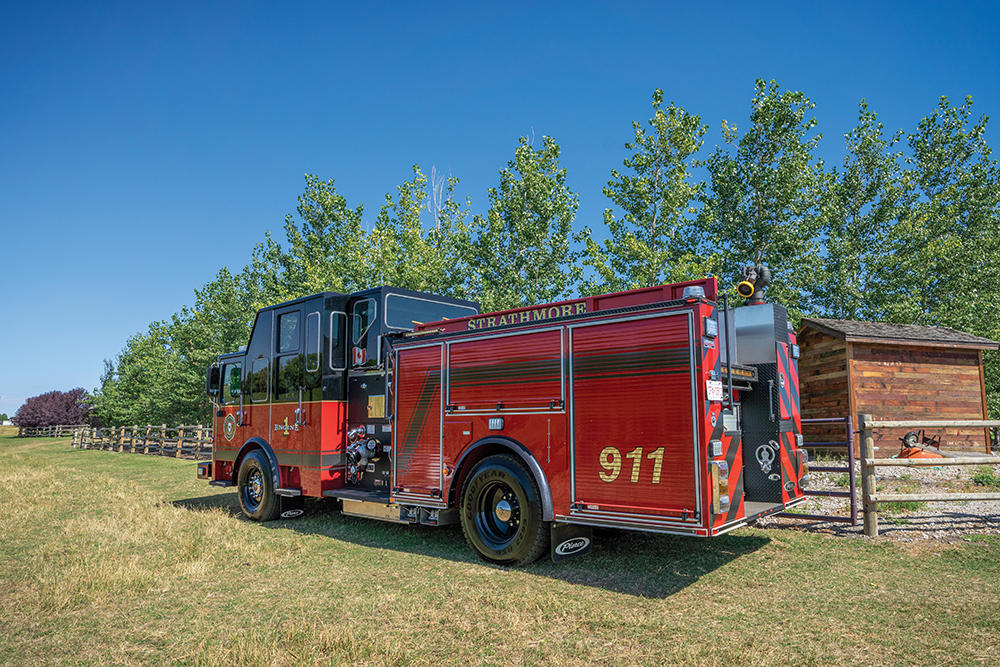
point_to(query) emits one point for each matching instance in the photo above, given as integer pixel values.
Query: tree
(946, 246)
(763, 201)
(152, 382)
(327, 251)
(945, 249)
(407, 254)
(860, 208)
(3, 417)
(54, 408)
(521, 249)
(654, 241)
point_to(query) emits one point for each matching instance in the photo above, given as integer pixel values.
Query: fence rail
(869, 463)
(47, 431)
(183, 442)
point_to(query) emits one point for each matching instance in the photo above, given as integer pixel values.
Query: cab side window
(365, 349)
(338, 332)
(313, 359)
(288, 332)
(232, 383)
(258, 380)
(289, 362)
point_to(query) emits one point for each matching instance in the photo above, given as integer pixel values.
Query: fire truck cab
(654, 409)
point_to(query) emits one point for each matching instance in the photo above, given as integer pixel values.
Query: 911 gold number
(612, 467)
(611, 461)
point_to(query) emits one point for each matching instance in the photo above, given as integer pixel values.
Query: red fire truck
(657, 409)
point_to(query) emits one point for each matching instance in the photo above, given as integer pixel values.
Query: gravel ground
(947, 521)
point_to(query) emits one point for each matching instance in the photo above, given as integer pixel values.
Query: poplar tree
(762, 206)
(655, 240)
(408, 253)
(860, 208)
(521, 250)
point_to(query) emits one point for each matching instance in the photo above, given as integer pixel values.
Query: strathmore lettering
(528, 315)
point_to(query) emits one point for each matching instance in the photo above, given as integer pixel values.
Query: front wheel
(502, 512)
(256, 488)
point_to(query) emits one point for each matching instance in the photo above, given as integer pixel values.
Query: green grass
(123, 559)
(984, 476)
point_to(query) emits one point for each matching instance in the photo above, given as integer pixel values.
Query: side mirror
(212, 381)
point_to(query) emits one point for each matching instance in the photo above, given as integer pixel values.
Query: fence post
(851, 473)
(868, 476)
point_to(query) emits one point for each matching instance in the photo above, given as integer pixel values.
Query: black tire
(502, 512)
(256, 488)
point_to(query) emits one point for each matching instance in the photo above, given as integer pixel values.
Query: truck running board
(288, 493)
(220, 482)
(368, 495)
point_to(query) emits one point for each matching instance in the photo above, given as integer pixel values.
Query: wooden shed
(893, 372)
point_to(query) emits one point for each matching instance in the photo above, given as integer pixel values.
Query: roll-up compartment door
(633, 418)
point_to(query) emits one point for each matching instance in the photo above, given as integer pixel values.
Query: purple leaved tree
(54, 408)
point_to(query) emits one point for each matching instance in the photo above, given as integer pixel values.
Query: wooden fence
(183, 442)
(848, 445)
(46, 431)
(869, 463)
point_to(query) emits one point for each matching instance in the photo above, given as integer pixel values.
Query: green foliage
(655, 240)
(762, 205)
(945, 249)
(327, 250)
(521, 249)
(902, 231)
(159, 377)
(407, 255)
(859, 207)
(984, 476)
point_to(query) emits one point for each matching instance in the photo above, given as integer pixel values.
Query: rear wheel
(502, 512)
(256, 488)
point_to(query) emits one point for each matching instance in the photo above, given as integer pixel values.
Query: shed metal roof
(901, 334)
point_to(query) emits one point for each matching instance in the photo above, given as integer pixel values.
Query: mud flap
(570, 540)
(290, 507)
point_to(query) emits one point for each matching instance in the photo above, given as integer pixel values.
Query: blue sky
(143, 146)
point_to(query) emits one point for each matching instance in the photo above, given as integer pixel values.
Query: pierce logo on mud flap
(572, 545)
(291, 514)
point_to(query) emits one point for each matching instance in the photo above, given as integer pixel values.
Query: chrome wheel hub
(503, 511)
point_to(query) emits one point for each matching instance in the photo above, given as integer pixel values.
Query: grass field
(121, 559)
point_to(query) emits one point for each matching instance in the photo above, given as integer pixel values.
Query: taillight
(720, 487)
(803, 466)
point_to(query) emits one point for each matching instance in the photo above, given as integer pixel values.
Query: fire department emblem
(229, 426)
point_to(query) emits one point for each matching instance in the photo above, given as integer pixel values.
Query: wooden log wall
(919, 383)
(183, 442)
(823, 385)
